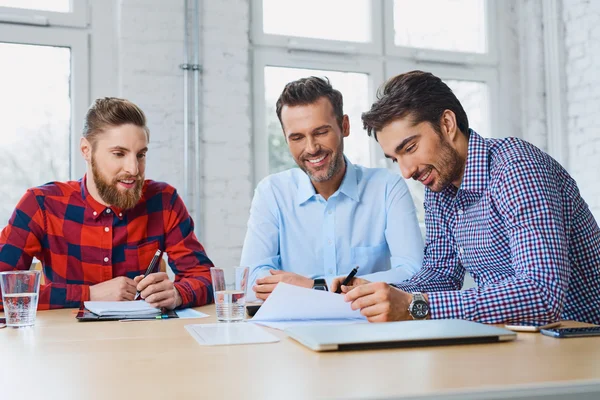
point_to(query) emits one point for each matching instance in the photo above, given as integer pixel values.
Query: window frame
(490, 58)
(275, 58)
(77, 17)
(77, 41)
(291, 43)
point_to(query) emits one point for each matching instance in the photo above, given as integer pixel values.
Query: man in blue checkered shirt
(500, 209)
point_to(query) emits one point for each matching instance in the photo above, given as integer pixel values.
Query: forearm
(57, 295)
(515, 300)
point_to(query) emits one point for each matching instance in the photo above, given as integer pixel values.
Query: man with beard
(500, 209)
(95, 237)
(309, 225)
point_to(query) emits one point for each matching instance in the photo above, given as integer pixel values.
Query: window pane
(453, 25)
(35, 110)
(348, 20)
(475, 100)
(42, 5)
(353, 86)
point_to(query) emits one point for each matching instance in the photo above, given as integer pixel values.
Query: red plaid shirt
(81, 242)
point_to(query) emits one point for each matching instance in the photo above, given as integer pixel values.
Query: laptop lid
(397, 334)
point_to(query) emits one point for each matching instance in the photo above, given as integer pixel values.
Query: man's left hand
(264, 286)
(158, 290)
(380, 302)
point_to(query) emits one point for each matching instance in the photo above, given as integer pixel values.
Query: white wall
(581, 19)
(137, 47)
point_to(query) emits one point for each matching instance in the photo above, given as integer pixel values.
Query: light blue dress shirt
(370, 221)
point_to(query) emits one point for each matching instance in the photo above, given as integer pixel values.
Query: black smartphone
(2, 323)
(251, 309)
(572, 332)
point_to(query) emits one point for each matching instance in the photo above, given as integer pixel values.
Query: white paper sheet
(229, 333)
(190, 313)
(282, 325)
(121, 308)
(295, 305)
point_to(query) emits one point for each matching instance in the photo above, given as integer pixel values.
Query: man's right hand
(353, 282)
(117, 289)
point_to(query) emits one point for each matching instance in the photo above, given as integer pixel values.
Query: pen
(348, 279)
(149, 269)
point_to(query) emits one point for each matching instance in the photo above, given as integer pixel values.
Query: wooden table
(61, 358)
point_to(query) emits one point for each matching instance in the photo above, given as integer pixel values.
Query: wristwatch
(419, 307)
(320, 284)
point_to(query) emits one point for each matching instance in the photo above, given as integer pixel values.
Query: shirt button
(106, 229)
(108, 210)
(461, 250)
(460, 211)
(105, 259)
(95, 213)
(329, 242)
(329, 212)
(120, 214)
(330, 272)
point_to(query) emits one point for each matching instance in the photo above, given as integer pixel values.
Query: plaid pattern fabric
(81, 242)
(519, 226)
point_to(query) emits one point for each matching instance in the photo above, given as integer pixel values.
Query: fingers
(164, 298)
(276, 272)
(262, 296)
(156, 288)
(377, 312)
(335, 284)
(269, 279)
(151, 279)
(360, 291)
(264, 288)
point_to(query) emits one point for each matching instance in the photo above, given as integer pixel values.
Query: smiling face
(315, 138)
(424, 154)
(117, 161)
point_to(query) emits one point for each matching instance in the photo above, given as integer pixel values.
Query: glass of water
(229, 285)
(20, 290)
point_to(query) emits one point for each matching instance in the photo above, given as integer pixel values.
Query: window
(374, 40)
(44, 92)
(72, 13)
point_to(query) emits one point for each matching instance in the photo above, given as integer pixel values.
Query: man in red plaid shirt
(95, 237)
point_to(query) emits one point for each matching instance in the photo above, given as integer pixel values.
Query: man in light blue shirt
(310, 225)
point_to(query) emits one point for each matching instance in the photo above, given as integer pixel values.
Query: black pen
(149, 269)
(348, 279)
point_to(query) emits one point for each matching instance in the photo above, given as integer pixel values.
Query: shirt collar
(93, 205)
(349, 185)
(476, 177)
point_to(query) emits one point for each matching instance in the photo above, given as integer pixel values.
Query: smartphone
(251, 309)
(2, 323)
(517, 327)
(572, 332)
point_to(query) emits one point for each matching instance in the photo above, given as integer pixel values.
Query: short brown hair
(420, 95)
(110, 112)
(307, 91)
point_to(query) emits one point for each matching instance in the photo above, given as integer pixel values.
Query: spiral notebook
(121, 310)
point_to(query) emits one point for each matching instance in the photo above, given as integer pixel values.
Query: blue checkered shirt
(519, 226)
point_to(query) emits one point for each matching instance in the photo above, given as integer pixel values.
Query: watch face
(419, 309)
(319, 287)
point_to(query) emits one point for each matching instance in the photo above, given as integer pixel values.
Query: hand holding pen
(347, 280)
(150, 269)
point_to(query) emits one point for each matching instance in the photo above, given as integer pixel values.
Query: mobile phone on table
(528, 327)
(572, 332)
(252, 308)
(2, 323)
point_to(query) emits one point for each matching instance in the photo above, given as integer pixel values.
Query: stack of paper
(127, 309)
(290, 305)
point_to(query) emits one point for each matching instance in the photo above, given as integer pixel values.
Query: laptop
(397, 334)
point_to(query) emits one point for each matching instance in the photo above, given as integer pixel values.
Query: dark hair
(307, 91)
(110, 112)
(420, 95)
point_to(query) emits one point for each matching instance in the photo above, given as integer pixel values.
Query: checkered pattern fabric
(81, 242)
(519, 226)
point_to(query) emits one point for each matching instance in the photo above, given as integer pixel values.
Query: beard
(111, 194)
(449, 167)
(336, 163)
